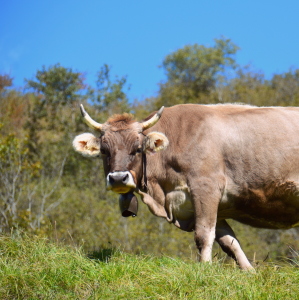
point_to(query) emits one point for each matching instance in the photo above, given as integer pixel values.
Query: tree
(53, 112)
(109, 97)
(14, 105)
(196, 69)
(251, 87)
(5, 81)
(247, 86)
(286, 88)
(56, 87)
(58, 84)
(26, 195)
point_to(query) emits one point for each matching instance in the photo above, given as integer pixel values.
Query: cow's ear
(87, 145)
(155, 141)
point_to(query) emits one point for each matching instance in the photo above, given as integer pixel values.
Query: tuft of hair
(121, 121)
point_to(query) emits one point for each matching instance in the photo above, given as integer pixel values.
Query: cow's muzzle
(128, 205)
(120, 182)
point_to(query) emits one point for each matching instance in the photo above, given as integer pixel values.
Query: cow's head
(120, 143)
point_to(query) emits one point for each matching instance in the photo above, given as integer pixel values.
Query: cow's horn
(89, 121)
(153, 120)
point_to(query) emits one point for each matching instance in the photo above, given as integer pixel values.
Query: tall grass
(35, 268)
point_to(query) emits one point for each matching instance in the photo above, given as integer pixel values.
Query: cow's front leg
(226, 238)
(155, 208)
(205, 201)
(204, 237)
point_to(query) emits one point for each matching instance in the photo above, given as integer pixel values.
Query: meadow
(37, 268)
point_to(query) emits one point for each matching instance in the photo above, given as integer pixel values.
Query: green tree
(251, 87)
(56, 87)
(195, 70)
(53, 111)
(5, 81)
(109, 96)
(286, 88)
(14, 105)
(247, 86)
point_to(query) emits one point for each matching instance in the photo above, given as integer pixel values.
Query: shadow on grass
(102, 255)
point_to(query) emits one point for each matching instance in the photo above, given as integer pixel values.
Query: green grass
(34, 268)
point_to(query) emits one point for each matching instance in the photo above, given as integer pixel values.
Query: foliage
(57, 84)
(14, 105)
(25, 195)
(109, 97)
(195, 70)
(56, 88)
(286, 87)
(5, 81)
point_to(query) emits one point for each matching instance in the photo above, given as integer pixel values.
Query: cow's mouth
(128, 205)
(121, 189)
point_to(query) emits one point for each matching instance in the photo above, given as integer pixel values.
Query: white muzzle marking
(127, 186)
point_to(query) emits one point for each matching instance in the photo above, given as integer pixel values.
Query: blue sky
(133, 37)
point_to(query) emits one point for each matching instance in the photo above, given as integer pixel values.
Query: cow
(199, 165)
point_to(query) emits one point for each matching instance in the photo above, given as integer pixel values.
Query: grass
(34, 268)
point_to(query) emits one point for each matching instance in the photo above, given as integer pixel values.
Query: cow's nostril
(111, 180)
(125, 178)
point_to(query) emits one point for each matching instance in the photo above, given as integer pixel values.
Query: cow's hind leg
(226, 238)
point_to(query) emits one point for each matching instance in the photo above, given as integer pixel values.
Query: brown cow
(219, 162)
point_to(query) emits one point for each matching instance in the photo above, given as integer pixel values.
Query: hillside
(35, 268)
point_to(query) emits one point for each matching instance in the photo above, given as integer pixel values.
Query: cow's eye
(138, 150)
